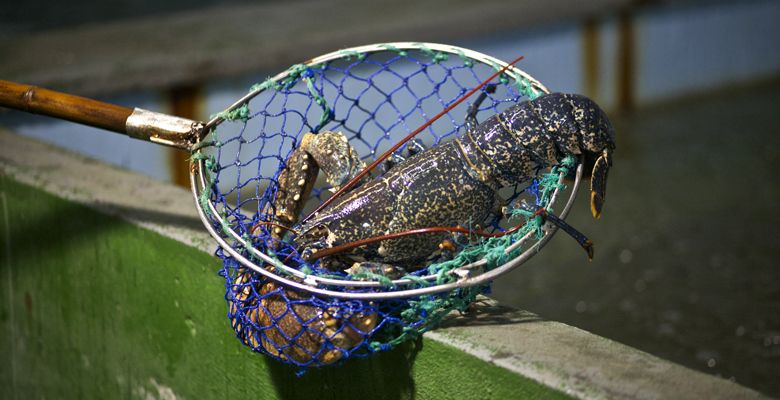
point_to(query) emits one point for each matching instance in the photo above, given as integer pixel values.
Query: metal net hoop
(373, 94)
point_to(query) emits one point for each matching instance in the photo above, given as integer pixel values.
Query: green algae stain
(94, 307)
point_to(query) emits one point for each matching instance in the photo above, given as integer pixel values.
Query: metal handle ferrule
(164, 129)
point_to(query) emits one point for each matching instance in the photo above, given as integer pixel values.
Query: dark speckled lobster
(453, 183)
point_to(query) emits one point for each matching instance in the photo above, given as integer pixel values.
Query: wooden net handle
(135, 122)
(64, 106)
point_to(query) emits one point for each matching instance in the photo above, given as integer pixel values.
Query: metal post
(591, 58)
(626, 77)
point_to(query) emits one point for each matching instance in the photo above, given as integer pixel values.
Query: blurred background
(687, 245)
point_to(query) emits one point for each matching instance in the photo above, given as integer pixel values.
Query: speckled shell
(455, 183)
(434, 188)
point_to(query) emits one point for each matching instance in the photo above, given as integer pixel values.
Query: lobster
(450, 184)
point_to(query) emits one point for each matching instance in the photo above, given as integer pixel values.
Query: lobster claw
(598, 183)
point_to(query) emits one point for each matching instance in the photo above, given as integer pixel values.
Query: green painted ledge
(96, 307)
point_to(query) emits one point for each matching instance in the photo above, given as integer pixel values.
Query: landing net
(297, 311)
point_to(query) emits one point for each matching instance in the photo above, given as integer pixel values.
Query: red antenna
(586, 243)
(373, 165)
(362, 242)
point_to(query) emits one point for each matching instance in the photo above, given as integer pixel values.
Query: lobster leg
(391, 161)
(471, 112)
(581, 239)
(414, 147)
(375, 268)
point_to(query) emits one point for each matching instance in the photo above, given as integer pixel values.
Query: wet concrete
(687, 247)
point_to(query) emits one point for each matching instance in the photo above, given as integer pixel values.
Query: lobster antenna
(381, 158)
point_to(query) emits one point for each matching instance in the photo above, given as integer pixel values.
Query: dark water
(686, 263)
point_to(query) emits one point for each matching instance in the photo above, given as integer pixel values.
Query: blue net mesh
(375, 99)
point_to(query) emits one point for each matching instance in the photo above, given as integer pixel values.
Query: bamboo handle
(159, 128)
(65, 106)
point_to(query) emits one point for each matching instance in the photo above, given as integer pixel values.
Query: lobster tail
(579, 126)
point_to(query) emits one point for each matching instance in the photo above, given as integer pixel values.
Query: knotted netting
(298, 311)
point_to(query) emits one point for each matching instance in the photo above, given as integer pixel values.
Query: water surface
(687, 247)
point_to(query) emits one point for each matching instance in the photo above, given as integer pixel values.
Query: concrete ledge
(577, 362)
(557, 355)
